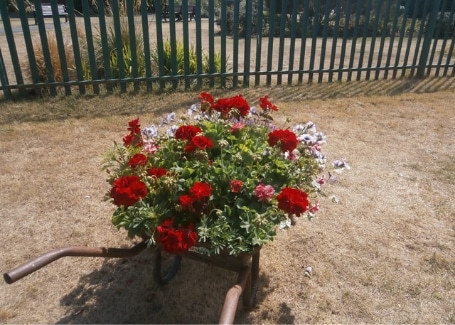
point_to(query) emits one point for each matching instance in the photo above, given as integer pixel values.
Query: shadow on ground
(123, 291)
(33, 108)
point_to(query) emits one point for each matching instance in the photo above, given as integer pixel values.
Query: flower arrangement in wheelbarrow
(223, 174)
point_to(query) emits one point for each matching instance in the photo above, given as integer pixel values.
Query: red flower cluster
(198, 142)
(138, 159)
(187, 132)
(195, 141)
(285, 138)
(198, 192)
(157, 172)
(128, 190)
(225, 105)
(236, 185)
(265, 104)
(134, 138)
(175, 240)
(293, 201)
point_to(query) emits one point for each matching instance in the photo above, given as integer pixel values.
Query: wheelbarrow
(246, 265)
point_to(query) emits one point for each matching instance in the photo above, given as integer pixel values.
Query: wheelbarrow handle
(49, 257)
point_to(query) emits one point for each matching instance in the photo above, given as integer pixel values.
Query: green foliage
(245, 171)
(170, 49)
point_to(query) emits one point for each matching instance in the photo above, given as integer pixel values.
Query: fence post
(429, 34)
(4, 78)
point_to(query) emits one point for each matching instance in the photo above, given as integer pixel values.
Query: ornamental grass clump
(223, 174)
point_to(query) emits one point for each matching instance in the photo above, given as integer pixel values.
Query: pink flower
(263, 192)
(150, 148)
(236, 127)
(314, 208)
(321, 180)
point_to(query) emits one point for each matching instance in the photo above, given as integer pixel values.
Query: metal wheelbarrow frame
(247, 267)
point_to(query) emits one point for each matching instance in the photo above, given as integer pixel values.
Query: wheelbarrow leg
(249, 296)
(158, 275)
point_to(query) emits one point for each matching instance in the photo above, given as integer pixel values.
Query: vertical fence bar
(45, 47)
(451, 51)
(223, 45)
(429, 34)
(173, 44)
(304, 25)
(75, 45)
(211, 54)
(401, 39)
(377, 16)
(324, 41)
(393, 32)
(235, 39)
(259, 25)
(272, 15)
(146, 43)
(159, 47)
(186, 44)
(364, 39)
(410, 40)
(446, 38)
(247, 47)
(211, 65)
(106, 72)
(11, 44)
(283, 20)
(90, 46)
(347, 22)
(292, 41)
(116, 15)
(436, 34)
(421, 34)
(199, 43)
(28, 42)
(314, 39)
(133, 66)
(334, 39)
(354, 40)
(4, 78)
(60, 46)
(385, 21)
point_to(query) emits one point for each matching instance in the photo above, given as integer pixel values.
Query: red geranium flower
(127, 190)
(200, 190)
(240, 104)
(236, 185)
(175, 241)
(222, 105)
(187, 132)
(287, 139)
(264, 103)
(134, 127)
(186, 201)
(199, 142)
(293, 201)
(157, 172)
(205, 97)
(138, 159)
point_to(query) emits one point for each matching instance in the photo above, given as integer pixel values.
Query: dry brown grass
(383, 254)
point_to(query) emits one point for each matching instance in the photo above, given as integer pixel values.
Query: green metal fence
(118, 44)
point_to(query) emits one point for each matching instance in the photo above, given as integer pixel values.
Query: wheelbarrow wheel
(165, 266)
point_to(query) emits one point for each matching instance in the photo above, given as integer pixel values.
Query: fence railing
(120, 44)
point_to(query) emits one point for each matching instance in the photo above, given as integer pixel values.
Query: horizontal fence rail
(78, 46)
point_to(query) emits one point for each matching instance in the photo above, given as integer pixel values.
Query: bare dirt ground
(382, 246)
